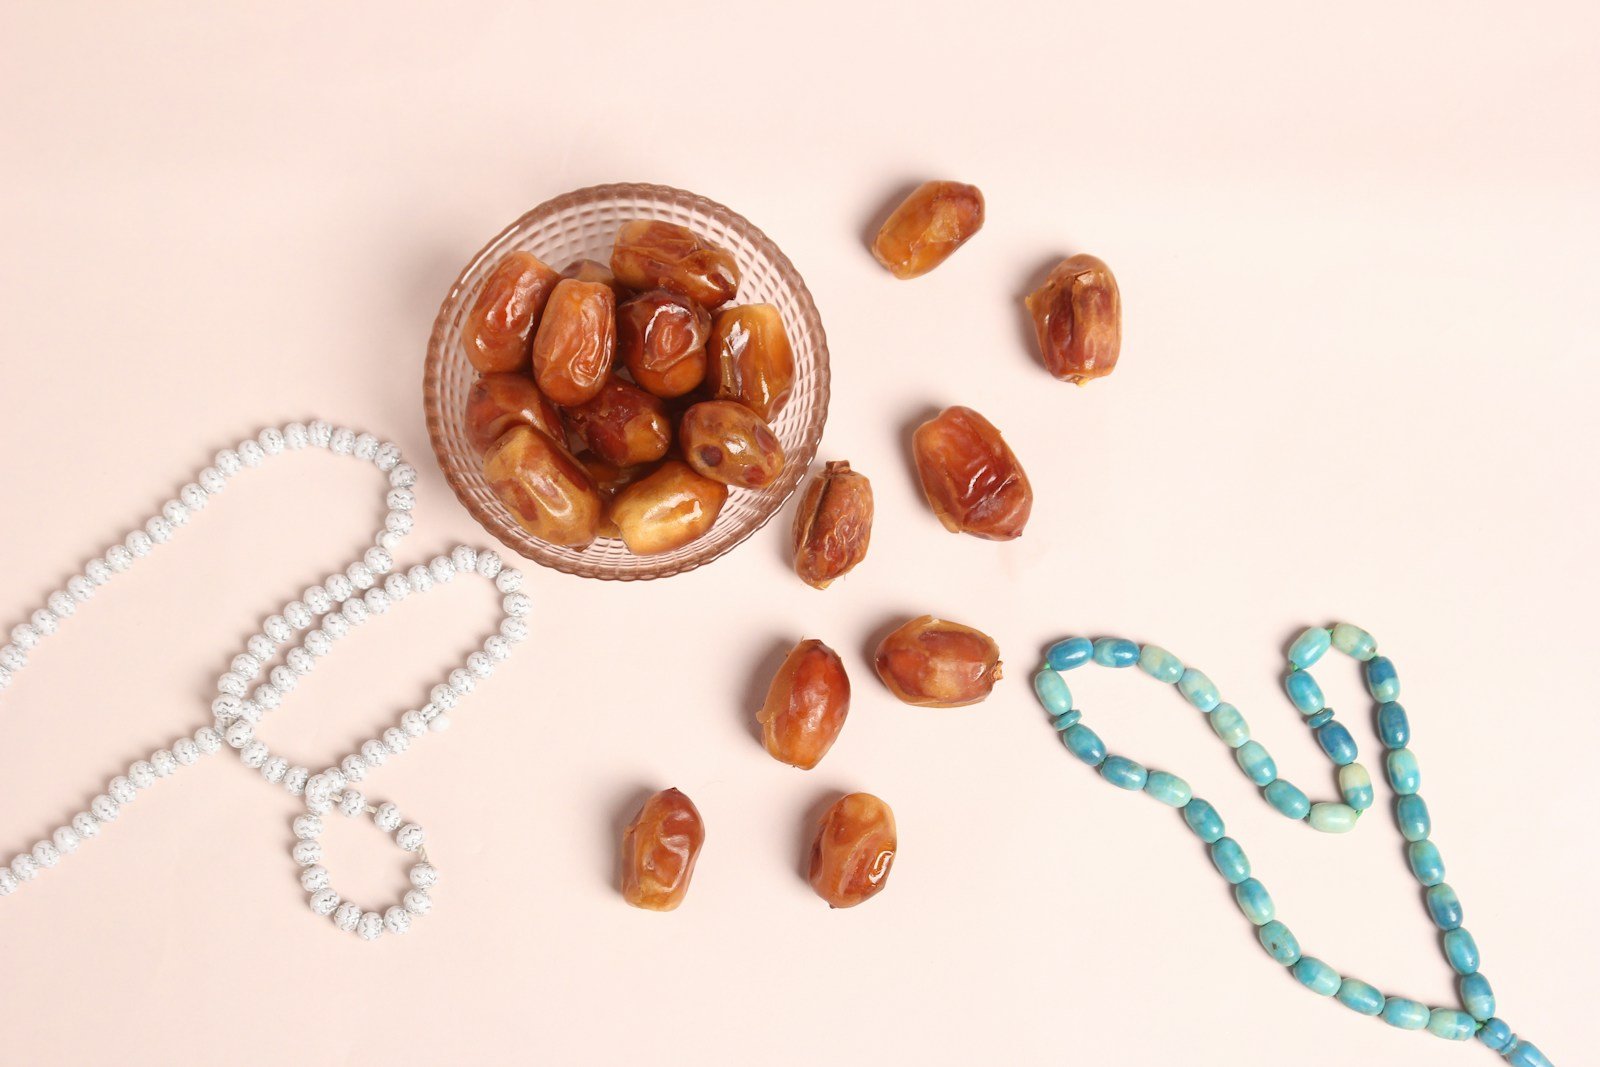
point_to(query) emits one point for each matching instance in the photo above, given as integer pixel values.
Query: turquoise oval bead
(1426, 862)
(1288, 798)
(1124, 773)
(1358, 996)
(1496, 1035)
(1382, 681)
(1405, 777)
(1336, 742)
(1203, 820)
(1444, 907)
(1066, 719)
(1256, 762)
(1230, 860)
(1394, 728)
(1160, 664)
(1115, 652)
(1198, 690)
(1304, 692)
(1255, 901)
(1522, 1054)
(1412, 814)
(1280, 943)
(1085, 744)
(1461, 950)
(1228, 724)
(1450, 1024)
(1168, 788)
(1355, 785)
(1052, 691)
(1073, 652)
(1316, 976)
(1309, 646)
(1405, 1014)
(1333, 818)
(1477, 996)
(1353, 641)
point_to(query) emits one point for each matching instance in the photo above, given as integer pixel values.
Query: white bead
(141, 774)
(397, 919)
(159, 529)
(324, 901)
(375, 753)
(514, 630)
(354, 767)
(277, 628)
(294, 780)
(270, 440)
(307, 852)
(121, 790)
(274, 769)
(227, 461)
(413, 725)
(398, 586)
(352, 803)
(250, 712)
(313, 878)
(138, 544)
(377, 601)
(418, 901)
(498, 648)
(284, 679)
(462, 682)
(480, 665)
(45, 621)
(389, 540)
(317, 599)
(488, 564)
(97, 571)
(442, 697)
(80, 588)
(366, 447)
(355, 611)
(175, 513)
(118, 558)
(13, 658)
(5, 678)
(300, 661)
(335, 625)
(45, 854)
(439, 723)
(85, 825)
(318, 643)
(207, 740)
(245, 664)
(267, 696)
(8, 882)
(387, 456)
(424, 875)
(346, 916)
(343, 441)
(65, 839)
(465, 558)
(398, 522)
(262, 647)
(370, 928)
(307, 827)
(508, 580)
(404, 476)
(24, 867)
(254, 754)
(212, 480)
(319, 432)
(192, 497)
(250, 453)
(339, 587)
(185, 751)
(421, 578)
(104, 808)
(396, 740)
(297, 615)
(517, 605)
(387, 818)
(233, 684)
(335, 778)
(239, 734)
(294, 436)
(61, 604)
(378, 560)
(441, 568)
(409, 837)
(164, 763)
(360, 575)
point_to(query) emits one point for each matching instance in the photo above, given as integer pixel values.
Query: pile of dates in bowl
(627, 382)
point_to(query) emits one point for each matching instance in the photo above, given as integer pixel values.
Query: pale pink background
(1357, 252)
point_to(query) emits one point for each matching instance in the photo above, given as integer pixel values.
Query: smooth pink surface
(1356, 249)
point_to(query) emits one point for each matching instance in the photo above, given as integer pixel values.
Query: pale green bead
(1353, 641)
(1355, 785)
(1228, 724)
(1160, 664)
(1333, 818)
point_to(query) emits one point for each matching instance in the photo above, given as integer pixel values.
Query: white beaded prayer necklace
(344, 600)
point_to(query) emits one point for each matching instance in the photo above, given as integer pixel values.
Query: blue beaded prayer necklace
(1355, 786)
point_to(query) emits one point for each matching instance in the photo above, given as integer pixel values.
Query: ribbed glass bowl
(582, 225)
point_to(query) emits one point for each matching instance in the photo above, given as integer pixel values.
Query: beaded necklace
(323, 614)
(1476, 1015)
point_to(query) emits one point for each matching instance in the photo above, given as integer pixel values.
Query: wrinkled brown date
(1077, 315)
(592, 270)
(499, 329)
(546, 490)
(667, 508)
(664, 255)
(853, 851)
(497, 402)
(729, 443)
(833, 525)
(935, 220)
(806, 705)
(661, 339)
(623, 424)
(751, 361)
(576, 341)
(970, 476)
(659, 849)
(931, 663)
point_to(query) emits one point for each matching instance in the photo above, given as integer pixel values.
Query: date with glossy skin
(930, 224)
(729, 443)
(667, 508)
(854, 850)
(664, 255)
(546, 490)
(933, 663)
(751, 360)
(1077, 316)
(623, 424)
(659, 849)
(497, 402)
(592, 270)
(833, 525)
(970, 476)
(806, 705)
(661, 339)
(576, 341)
(498, 330)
